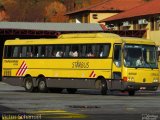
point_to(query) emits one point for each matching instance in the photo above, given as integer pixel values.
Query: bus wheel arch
(28, 83)
(41, 81)
(101, 84)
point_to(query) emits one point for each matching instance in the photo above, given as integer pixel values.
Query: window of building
(157, 24)
(95, 16)
(86, 18)
(135, 25)
(142, 24)
(152, 24)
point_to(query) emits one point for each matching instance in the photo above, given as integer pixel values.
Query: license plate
(142, 88)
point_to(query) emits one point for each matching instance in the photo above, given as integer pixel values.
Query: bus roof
(89, 35)
(157, 41)
(70, 39)
(82, 38)
(135, 40)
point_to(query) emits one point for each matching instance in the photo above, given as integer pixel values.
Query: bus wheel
(71, 90)
(42, 87)
(102, 86)
(131, 92)
(29, 84)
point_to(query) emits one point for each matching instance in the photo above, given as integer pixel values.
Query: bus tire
(29, 84)
(42, 86)
(131, 92)
(71, 90)
(102, 86)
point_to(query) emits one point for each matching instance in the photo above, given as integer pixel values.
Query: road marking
(51, 111)
(59, 114)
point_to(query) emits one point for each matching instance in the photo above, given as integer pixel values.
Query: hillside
(40, 10)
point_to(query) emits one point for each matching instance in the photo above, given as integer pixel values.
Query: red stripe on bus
(20, 68)
(94, 75)
(91, 74)
(24, 70)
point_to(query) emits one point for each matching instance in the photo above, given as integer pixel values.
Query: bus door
(158, 57)
(116, 67)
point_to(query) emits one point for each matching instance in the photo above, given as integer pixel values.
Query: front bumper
(140, 86)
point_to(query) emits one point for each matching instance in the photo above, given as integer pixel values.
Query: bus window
(82, 50)
(91, 50)
(8, 51)
(29, 52)
(73, 52)
(16, 51)
(158, 53)
(54, 51)
(35, 51)
(42, 51)
(66, 51)
(104, 50)
(24, 51)
(49, 51)
(59, 50)
(117, 55)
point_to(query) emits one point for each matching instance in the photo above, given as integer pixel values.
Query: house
(143, 17)
(105, 9)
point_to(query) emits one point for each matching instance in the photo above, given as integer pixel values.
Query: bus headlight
(132, 79)
(129, 79)
(155, 80)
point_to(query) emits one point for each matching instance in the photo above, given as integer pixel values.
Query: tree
(3, 14)
(55, 11)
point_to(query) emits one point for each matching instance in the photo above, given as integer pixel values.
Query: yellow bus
(158, 54)
(102, 61)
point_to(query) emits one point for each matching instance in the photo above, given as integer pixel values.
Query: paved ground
(85, 104)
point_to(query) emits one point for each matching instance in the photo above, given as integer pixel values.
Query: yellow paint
(155, 36)
(58, 114)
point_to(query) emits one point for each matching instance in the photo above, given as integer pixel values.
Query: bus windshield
(140, 56)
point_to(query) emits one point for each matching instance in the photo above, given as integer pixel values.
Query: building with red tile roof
(107, 8)
(143, 17)
(147, 9)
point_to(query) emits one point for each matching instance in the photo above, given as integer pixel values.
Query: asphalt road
(15, 104)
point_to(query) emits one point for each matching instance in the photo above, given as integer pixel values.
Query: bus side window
(24, 51)
(74, 51)
(83, 50)
(29, 51)
(90, 51)
(41, 51)
(104, 50)
(117, 55)
(34, 51)
(8, 51)
(67, 50)
(59, 50)
(16, 52)
(20, 51)
(158, 54)
(53, 54)
(49, 51)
